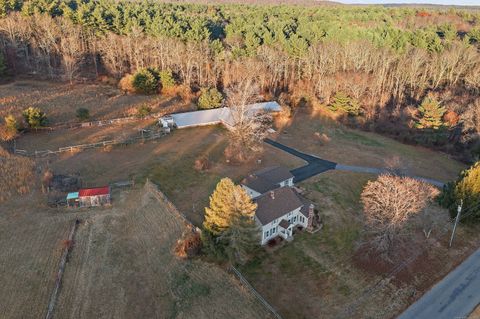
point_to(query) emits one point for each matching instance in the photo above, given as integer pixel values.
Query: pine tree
(431, 113)
(342, 102)
(466, 189)
(240, 239)
(230, 219)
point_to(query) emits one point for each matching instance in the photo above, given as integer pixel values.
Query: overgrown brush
(16, 175)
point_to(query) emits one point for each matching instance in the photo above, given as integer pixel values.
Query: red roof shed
(97, 191)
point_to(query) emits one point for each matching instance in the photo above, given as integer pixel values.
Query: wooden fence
(244, 281)
(61, 269)
(81, 147)
(155, 191)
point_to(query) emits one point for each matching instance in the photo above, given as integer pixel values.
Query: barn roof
(198, 118)
(220, 115)
(84, 192)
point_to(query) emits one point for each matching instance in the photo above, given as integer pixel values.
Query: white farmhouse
(267, 179)
(281, 210)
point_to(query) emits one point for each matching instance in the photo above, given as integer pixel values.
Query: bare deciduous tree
(249, 127)
(389, 203)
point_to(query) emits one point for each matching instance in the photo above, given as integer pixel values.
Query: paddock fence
(246, 284)
(155, 191)
(146, 136)
(61, 269)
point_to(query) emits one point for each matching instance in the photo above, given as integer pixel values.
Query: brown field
(60, 101)
(121, 265)
(354, 147)
(31, 238)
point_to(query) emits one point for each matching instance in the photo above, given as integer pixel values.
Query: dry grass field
(31, 243)
(121, 265)
(169, 162)
(60, 100)
(318, 135)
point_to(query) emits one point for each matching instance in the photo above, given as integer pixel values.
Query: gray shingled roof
(267, 179)
(284, 201)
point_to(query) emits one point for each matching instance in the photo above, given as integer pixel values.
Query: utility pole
(459, 210)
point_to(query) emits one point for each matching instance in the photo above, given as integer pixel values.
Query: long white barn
(218, 116)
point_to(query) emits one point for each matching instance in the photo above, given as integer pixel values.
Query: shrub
(189, 245)
(202, 164)
(143, 110)
(166, 79)
(466, 189)
(344, 103)
(10, 129)
(34, 117)
(145, 81)
(126, 84)
(210, 99)
(83, 114)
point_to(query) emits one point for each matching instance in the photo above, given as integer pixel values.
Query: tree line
(385, 60)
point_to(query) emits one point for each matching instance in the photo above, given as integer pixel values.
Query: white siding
(295, 217)
(253, 194)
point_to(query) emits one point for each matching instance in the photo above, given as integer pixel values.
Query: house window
(274, 230)
(266, 234)
(295, 219)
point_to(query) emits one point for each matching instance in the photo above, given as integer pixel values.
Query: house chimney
(272, 194)
(311, 215)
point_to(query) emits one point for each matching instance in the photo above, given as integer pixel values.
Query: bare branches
(389, 203)
(249, 127)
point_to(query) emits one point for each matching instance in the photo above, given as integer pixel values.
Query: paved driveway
(314, 167)
(317, 165)
(456, 296)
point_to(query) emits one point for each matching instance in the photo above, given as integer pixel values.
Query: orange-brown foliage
(189, 245)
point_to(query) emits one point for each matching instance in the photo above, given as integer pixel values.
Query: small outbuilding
(89, 197)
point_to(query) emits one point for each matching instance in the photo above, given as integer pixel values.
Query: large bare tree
(249, 127)
(389, 203)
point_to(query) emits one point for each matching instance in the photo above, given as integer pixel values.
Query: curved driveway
(317, 165)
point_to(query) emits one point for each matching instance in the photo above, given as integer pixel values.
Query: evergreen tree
(210, 99)
(145, 81)
(466, 189)
(431, 113)
(34, 117)
(166, 78)
(241, 238)
(83, 114)
(344, 103)
(230, 221)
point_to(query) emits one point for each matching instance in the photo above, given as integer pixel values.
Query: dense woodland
(386, 60)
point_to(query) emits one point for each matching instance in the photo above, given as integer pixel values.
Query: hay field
(31, 243)
(122, 267)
